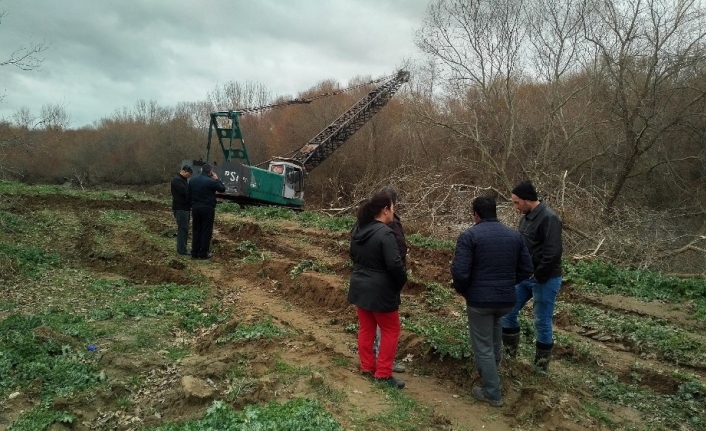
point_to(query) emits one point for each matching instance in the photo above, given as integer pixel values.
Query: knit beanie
(525, 190)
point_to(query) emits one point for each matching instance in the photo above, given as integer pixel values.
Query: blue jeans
(544, 296)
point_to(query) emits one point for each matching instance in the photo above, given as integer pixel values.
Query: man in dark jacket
(490, 259)
(202, 196)
(541, 229)
(180, 206)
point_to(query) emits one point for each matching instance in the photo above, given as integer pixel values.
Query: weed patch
(31, 261)
(429, 242)
(48, 349)
(308, 265)
(266, 329)
(299, 414)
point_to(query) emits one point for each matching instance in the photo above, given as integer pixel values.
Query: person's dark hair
(391, 192)
(372, 207)
(187, 168)
(485, 207)
(206, 168)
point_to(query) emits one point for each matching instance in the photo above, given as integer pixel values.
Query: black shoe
(479, 394)
(186, 253)
(208, 256)
(397, 384)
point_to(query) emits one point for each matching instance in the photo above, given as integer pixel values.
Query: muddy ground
(313, 304)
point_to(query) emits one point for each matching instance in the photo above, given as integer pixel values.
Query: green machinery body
(282, 181)
(280, 184)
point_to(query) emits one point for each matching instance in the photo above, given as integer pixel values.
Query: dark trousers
(202, 228)
(486, 341)
(182, 221)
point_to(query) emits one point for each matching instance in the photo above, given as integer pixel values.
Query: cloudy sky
(106, 55)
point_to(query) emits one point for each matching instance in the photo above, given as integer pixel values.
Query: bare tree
(25, 57)
(647, 52)
(478, 45)
(558, 57)
(54, 117)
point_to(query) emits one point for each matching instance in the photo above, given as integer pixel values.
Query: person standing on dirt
(180, 206)
(375, 285)
(489, 260)
(202, 196)
(396, 226)
(541, 229)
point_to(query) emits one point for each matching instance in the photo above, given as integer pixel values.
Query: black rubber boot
(542, 357)
(511, 341)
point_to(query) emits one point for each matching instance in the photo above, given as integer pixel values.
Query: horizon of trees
(600, 103)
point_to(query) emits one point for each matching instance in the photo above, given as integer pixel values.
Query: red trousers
(389, 324)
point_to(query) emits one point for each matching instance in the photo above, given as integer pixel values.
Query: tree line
(600, 103)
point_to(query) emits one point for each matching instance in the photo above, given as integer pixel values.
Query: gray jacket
(541, 229)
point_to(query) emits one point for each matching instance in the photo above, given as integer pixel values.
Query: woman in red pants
(376, 282)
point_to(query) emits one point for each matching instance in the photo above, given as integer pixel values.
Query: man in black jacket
(490, 259)
(541, 229)
(202, 196)
(180, 206)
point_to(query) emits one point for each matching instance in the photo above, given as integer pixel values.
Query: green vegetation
(30, 260)
(50, 349)
(325, 221)
(405, 413)
(665, 411)
(305, 218)
(445, 336)
(308, 265)
(437, 296)
(40, 418)
(430, 243)
(671, 343)
(298, 414)
(265, 329)
(606, 278)
(133, 301)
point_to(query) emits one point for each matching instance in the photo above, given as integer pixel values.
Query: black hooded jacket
(378, 271)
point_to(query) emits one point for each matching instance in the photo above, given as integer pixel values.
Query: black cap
(206, 168)
(525, 190)
(187, 168)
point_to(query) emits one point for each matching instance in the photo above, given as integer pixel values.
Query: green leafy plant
(430, 243)
(265, 329)
(298, 414)
(308, 265)
(45, 348)
(325, 221)
(437, 296)
(41, 418)
(30, 260)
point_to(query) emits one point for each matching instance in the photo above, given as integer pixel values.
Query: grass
(405, 413)
(669, 342)
(50, 312)
(429, 242)
(261, 330)
(30, 260)
(48, 349)
(308, 265)
(606, 278)
(298, 414)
